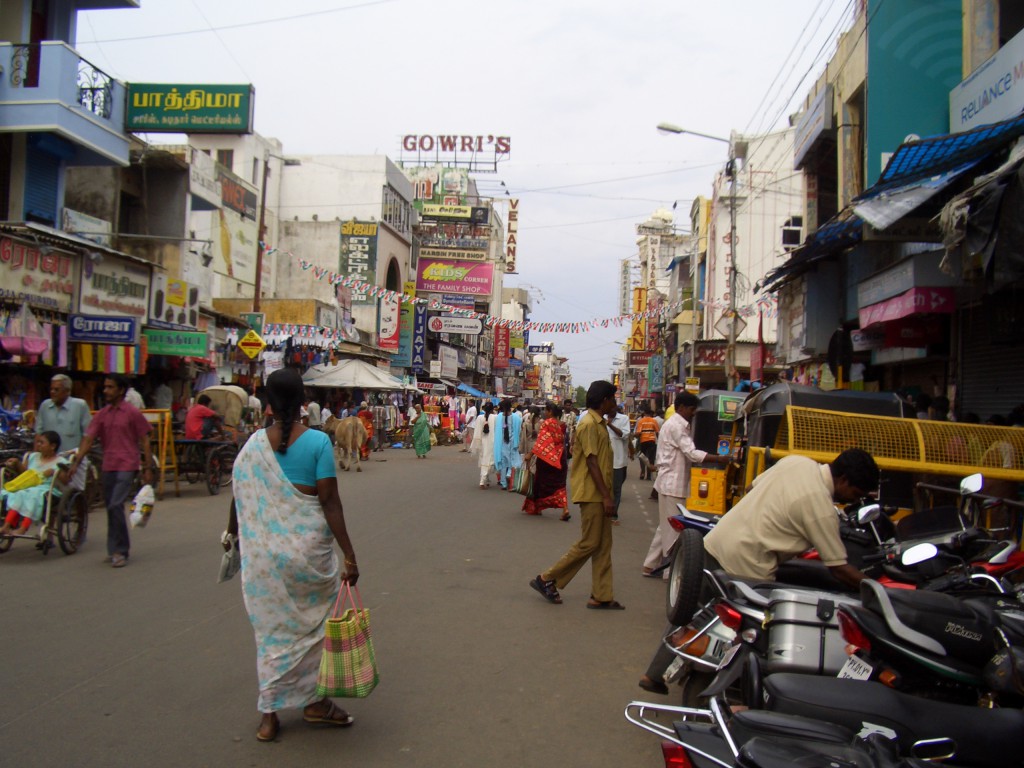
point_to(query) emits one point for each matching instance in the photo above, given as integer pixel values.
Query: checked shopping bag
(348, 667)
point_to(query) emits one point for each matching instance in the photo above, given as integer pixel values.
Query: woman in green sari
(421, 432)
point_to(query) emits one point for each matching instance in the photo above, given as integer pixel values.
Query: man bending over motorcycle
(789, 509)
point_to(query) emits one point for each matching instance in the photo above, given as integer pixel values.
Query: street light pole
(730, 351)
(260, 248)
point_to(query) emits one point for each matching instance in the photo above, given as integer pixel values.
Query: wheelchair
(65, 517)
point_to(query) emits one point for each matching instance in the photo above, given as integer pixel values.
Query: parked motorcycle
(976, 736)
(712, 738)
(934, 644)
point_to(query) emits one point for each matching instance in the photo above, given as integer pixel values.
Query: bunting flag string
(765, 305)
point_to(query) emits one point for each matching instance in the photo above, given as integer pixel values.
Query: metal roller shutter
(41, 185)
(991, 373)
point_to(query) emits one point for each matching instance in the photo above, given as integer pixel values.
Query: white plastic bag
(142, 507)
(231, 562)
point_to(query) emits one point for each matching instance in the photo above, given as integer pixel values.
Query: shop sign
(865, 339)
(202, 180)
(992, 93)
(419, 338)
(449, 276)
(449, 361)
(471, 326)
(255, 320)
(388, 325)
(914, 301)
(533, 378)
(115, 285)
(91, 329)
(85, 226)
(29, 276)
(638, 358)
(184, 108)
(402, 357)
(175, 343)
(656, 373)
(693, 384)
(358, 257)
(512, 230)
(435, 369)
(459, 302)
(452, 253)
(174, 304)
(541, 349)
(501, 339)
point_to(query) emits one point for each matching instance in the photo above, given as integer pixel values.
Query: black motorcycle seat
(749, 723)
(965, 628)
(764, 753)
(983, 737)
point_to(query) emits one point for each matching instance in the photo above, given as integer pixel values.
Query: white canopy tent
(353, 373)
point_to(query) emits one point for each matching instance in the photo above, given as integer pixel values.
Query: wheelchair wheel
(74, 520)
(5, 541)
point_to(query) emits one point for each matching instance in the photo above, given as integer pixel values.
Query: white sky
(578, 85)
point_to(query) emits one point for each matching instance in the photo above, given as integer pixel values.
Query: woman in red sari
(551, 466)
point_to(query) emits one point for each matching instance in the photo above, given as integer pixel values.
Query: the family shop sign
(459, 277)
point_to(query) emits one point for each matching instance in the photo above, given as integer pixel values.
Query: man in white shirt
(676, 451)
(470, 420)
(622, 454)
(132, 396)
(313, 412)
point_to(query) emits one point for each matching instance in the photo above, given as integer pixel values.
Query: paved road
(154, 664)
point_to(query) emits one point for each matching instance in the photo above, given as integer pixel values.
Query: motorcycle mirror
(869, 513)
(919, 553)
(971, 484)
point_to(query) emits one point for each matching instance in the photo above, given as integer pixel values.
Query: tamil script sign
(359, 257)
(175, 343)
(90, 329)
(466, 325)
(180, 108)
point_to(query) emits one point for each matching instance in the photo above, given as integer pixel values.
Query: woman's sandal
(269, 726)
(334, 715)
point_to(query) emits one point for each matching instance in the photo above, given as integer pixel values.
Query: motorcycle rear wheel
(685, 577)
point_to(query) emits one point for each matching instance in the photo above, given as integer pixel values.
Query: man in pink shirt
(676, 451)
(123, 432)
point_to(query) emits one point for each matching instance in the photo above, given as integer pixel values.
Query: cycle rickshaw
(65, 515)
(212, 460)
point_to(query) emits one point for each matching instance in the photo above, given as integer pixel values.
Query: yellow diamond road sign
(252, 344)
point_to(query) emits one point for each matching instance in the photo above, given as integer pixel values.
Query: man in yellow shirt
(591, 482)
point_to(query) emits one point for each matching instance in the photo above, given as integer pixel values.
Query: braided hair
(506, 411)
(285, 392)
(488, 409)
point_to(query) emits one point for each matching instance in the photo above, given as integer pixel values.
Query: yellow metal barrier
(907, 445)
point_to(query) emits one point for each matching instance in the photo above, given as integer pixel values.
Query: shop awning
(463, 387)
(913, 302)
(916, 172)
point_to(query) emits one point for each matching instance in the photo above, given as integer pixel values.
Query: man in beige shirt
(789, 509)
(591, 482)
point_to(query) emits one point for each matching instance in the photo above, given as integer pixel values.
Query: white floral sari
(289, 575)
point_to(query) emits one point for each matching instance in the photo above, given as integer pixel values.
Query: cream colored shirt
(788, 510)
(676, 451)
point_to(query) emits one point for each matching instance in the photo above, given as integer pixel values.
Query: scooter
(715, 738)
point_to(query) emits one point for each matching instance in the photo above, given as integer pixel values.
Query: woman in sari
(483, 443)
(289, 516)
(421, 432)
(507, 429)
(366, 416)
(549, 477)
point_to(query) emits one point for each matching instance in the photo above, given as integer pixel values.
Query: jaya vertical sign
(358, 257)
(180, 108)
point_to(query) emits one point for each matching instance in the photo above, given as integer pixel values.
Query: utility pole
(730, 351)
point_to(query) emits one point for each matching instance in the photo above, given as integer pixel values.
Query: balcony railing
(51, 84)
(95, 87)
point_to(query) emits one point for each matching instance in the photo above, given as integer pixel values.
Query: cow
(349, 435)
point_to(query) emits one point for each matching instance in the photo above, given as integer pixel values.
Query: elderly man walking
(61, 413)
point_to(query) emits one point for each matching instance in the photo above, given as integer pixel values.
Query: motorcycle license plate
(733, 650)
(855, 669)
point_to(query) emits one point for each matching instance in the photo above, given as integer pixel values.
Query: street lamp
(730, 169)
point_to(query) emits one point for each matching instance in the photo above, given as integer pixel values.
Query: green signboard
(184, 108)
(175, 343)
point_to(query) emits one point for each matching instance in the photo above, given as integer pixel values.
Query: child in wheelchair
(28, 505)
